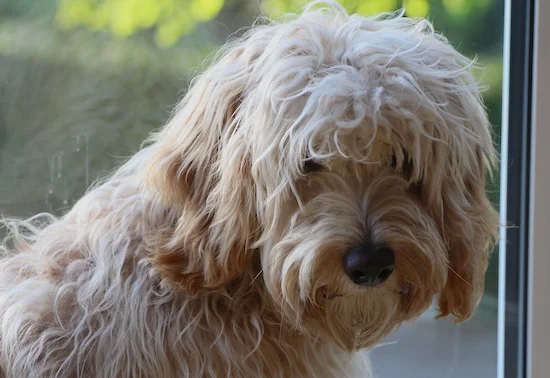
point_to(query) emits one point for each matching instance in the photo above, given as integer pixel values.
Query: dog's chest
(218, 345)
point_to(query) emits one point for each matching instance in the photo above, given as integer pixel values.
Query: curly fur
(213, 252)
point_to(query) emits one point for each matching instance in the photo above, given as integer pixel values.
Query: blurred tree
(457, 9)
(416, 8)
(462, 20)
(170, 18)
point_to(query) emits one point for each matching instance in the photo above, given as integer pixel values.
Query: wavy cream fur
(213, 253)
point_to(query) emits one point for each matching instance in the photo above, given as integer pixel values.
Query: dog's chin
(354, 322)
(360, 319)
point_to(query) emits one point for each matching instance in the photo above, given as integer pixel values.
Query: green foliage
(415, 8)
(461, 9)
(171, 19)
(456, 10)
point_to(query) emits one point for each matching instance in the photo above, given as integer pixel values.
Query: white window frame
(538, 327)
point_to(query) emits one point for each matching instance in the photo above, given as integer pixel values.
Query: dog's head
(342, 160)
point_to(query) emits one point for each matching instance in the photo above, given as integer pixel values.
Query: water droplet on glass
(66, 194)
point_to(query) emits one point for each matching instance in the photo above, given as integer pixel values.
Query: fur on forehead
(326, 84)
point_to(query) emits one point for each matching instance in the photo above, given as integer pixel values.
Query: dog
(318, 185)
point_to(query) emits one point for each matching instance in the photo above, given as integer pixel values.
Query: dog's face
(343, 161)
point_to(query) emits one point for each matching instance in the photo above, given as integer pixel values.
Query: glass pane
(431, 348)
(83, 82)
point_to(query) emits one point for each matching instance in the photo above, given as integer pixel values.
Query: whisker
(459, 276)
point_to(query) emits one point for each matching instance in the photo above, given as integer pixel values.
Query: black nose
(369, 265)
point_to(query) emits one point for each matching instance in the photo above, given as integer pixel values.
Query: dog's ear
(201, 168)
(186, 152)
(470, 228)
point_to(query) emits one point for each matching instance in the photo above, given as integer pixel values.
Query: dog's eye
(312, 166)
(408, 168)
(393, 163)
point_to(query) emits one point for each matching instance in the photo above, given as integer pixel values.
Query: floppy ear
(470, 227)
(455, 182)
(200, 166)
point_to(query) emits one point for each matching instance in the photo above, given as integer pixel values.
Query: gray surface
(440, 349)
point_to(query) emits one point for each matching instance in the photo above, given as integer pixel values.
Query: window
(83, 82)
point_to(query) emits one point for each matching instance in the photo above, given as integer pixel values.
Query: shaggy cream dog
(317, 186)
